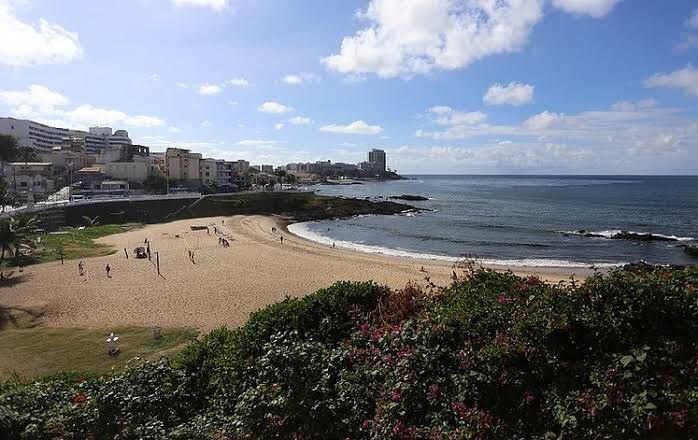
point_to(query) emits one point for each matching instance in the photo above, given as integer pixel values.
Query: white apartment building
(240, 166)
(136, 171)
(43, 137)
(181, 164)
(214, 170)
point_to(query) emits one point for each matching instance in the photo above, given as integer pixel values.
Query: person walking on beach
(81, 269)
(332, 245)
(282, 239)
(108, 269)
(192, 257)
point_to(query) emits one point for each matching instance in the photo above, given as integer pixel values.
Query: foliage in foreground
(492, 356)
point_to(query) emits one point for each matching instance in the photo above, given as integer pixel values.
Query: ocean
(522, 220)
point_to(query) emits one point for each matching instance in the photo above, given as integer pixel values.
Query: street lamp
(69, 163)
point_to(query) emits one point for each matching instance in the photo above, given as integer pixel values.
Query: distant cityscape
(104, 161)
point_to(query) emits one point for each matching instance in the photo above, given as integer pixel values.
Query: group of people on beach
(83, 273)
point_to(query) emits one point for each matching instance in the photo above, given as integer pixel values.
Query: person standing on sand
(108, 269)
(332, 245)
(282, 239)
(81, 269)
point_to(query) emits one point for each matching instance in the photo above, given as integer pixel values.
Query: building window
(22, 183)
(206, 174)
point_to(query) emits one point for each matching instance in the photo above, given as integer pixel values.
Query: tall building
(377, 157)
(214, 170)
(43, 137)
(181, 164)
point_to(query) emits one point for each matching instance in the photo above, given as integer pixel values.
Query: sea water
(522, 220)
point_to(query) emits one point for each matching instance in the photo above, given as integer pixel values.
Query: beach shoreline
(221, 286)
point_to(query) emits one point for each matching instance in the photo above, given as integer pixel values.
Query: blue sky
(444, 86)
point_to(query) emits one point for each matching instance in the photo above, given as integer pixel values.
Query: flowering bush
(491, 356)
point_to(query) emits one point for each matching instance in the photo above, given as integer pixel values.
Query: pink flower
(396, 397)
(79, 398)
(366, 424)
(503, 300)
(530, 398)
(434, 390)
(680, 416)
(365, 329)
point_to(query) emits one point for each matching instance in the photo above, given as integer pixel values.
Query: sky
(444, 86)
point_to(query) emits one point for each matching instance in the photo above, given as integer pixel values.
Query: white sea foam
(304, 230)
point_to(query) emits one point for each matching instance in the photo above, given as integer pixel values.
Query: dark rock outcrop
(691, 250)
(625, 235)
(410, 197)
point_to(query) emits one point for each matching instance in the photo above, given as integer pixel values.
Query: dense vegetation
(491, 356)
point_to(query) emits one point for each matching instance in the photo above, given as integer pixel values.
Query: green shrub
(494, 356)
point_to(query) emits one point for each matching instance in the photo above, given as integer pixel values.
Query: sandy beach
(221, 287)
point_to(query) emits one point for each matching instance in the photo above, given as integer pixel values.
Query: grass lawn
(75, 243)
(30, 352)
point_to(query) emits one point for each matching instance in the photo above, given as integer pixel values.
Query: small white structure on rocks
(112, 344)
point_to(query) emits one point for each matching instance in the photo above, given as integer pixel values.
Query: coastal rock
(691, 250)
(410, 197)
(626, 235)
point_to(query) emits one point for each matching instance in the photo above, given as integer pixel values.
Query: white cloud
(593, 8)
(408, 37)
(233, 102)
(274, 108)
(206, 124)
(238, 82)
(209, 89)
(182, 85)
(216, 5)
(685, 79)
(626, 130)
(26, 44)
(356, 127)
(258, 143)
(173, 129)
(627, 106)
(300, 78)
(155, 77)
(690, 38)
(300, 120)
(513, 94)
(444, 115)
(543, 120)
(278, 126)
(692, 22)
(42, 104)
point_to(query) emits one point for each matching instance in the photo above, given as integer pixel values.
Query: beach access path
(221, 286)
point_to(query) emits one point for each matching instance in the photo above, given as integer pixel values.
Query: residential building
(137, 170)
(377, 157)
(214, 170)
(268, 169)
(30, 177)
(183, 165)
(240, 166)
(43, 137)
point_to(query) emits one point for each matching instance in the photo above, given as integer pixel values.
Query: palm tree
(14, 235)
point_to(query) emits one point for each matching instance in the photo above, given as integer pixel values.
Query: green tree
(6, 196)
(156, 183)
(9, 147)
(26, 154)
(14, 235)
